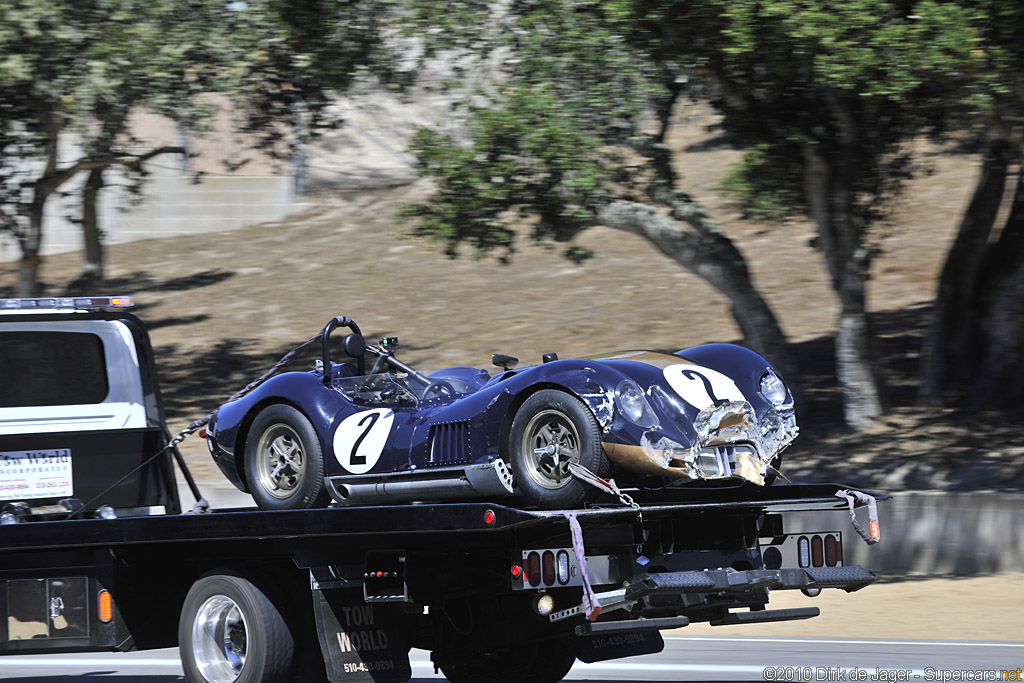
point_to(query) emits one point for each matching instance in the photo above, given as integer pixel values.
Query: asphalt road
(685, 658)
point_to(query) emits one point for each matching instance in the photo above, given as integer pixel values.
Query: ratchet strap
(852, 498)
(591, 605)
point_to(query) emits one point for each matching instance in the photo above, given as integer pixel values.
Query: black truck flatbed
(237, 524)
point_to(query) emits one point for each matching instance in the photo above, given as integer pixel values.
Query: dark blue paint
(487, 410)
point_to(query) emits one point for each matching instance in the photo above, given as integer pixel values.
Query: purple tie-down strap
(851, 496)
(591, 605)
(342, 320)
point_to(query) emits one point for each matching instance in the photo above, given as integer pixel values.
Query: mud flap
(361, 642)
(599, 647)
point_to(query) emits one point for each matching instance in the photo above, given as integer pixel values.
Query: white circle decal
(360, 439)
(701, 387)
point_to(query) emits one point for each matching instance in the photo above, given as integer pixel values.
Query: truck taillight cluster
(804, 550)
(544, 569)
(820, 550)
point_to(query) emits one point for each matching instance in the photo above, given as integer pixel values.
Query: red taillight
(202, 433)
(533, 568)
(839, 550)
(816, 551)
(830, 551)
(489, 517)
(517, 571)
(549, 568)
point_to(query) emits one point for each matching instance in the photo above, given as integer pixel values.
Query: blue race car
(389, 433)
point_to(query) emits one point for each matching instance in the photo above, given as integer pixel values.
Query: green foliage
(541, 143)
(295, 56)
(83, 65)
(766, 183)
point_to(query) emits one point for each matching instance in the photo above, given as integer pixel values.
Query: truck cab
(81, 421)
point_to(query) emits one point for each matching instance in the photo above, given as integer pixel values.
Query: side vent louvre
(449, 443)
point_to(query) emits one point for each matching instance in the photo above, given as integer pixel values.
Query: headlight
(632, 404)
(773, 388)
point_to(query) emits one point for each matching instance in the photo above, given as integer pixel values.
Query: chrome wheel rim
(550, 443)
(219, 639)
(280, 461)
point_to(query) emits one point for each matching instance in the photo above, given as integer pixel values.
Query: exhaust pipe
(483, 480)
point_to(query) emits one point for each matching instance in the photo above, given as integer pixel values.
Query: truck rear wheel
(231, 632)
(507, 666)
(553, 661)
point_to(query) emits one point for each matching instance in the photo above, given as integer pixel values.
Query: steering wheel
(441, 386)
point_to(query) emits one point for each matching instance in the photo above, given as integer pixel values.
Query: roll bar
(332, 324)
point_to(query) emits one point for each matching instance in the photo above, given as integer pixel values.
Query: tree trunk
(830, 199)
(997, 342)
(725, 271)
(30, 242)
(92, 272)
(955, 315)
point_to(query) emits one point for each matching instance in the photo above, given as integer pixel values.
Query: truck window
(51, 368)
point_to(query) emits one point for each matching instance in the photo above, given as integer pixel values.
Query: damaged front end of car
(729, 441)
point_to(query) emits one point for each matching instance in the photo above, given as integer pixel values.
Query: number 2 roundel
(360, 439)
(701, 387)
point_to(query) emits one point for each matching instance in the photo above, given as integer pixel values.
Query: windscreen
(51, 369)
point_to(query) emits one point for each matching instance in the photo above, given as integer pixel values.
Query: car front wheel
(284, 465)
(551, 430)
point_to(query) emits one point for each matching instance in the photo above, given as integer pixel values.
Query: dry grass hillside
(225, 306)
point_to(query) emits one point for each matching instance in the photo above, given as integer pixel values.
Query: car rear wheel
(551, 430)
(231, 632)
(284, 464)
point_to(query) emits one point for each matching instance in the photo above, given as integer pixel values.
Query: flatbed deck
(425, 519)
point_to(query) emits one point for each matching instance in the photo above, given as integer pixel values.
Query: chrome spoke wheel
(280, 461)
(219, 639)
(550, 443)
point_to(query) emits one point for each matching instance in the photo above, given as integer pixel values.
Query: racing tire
(284, 463)
(231, 632)
(560, 423)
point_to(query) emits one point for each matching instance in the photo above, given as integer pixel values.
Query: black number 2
(691, 374)
(361, 459)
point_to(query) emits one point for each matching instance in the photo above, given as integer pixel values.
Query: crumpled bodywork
(702, 416)
(731, 443)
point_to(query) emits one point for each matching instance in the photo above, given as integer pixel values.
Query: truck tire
(230, 632)
(553, 661)
(284, 464)
(557, 421)
(509, 666)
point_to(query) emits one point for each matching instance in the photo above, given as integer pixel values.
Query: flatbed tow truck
(108, 562)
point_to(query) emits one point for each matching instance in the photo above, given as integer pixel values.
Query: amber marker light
(106, 606)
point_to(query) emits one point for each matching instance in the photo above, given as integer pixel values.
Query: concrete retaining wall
(934, 532)
(174, 205)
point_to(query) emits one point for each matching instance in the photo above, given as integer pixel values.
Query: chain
(606, 485)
